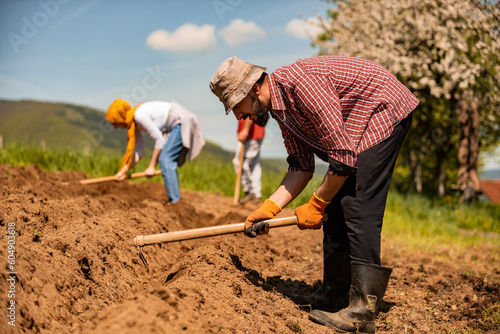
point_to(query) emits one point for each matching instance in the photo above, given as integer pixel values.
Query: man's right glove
(310, 215)
(268, 210)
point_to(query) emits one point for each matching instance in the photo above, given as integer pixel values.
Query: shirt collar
(277, 102)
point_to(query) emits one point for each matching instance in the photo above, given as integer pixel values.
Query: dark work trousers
(356, 213)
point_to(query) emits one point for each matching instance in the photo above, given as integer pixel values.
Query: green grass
(429, 216)
(94, 164)
(209, 172)
(422, 222)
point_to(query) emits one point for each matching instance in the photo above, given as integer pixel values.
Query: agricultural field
(79, 272)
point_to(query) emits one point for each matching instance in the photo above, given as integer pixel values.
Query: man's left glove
(268, 210)
(310, 215)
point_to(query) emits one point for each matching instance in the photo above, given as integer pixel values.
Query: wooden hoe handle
(142, 240)
(112, 178)
(238, 175)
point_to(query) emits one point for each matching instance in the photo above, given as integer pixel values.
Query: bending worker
(158, 118)
(353, 114)
(250, 135)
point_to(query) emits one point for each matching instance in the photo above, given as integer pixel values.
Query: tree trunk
(439, 172)
(418, 178)
(441, 188)
(416, 170)
(468, 150)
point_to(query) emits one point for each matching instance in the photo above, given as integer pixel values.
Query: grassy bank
(209, 172)
(426, 223)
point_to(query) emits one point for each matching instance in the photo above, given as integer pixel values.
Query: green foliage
(37, 234)
(448, 56)
(433, 138)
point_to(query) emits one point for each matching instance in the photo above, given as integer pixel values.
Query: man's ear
(256, 89)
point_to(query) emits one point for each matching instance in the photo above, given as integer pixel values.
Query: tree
(448, 53)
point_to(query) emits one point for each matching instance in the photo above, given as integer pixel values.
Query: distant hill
(62, 125)
(490, 174)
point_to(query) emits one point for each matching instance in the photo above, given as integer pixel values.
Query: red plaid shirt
(336, 107)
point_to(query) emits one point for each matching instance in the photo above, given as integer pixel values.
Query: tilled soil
(79, 272)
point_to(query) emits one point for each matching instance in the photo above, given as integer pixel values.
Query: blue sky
(91, 52)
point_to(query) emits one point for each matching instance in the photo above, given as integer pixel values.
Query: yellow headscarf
(120, 113)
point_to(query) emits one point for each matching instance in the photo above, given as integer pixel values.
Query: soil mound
(78, 271)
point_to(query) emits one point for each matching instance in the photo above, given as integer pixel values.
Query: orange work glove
(310, 215)
(268, 210)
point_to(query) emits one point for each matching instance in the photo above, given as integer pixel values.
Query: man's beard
(260, 110)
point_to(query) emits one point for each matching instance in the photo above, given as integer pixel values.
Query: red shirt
(256, 131)
(336, 107)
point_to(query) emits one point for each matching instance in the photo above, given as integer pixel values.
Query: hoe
(197, 233)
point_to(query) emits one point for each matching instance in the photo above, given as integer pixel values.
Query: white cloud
(304, 29)
(239, 32)
(187, 38)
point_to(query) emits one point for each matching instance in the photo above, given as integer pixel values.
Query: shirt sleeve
(320, 103)
(143, 119)
(139, 143)
(300, 157)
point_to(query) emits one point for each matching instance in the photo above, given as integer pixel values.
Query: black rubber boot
(334, 292)
(369, 282)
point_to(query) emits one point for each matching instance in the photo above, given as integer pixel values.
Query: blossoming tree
(448, 53)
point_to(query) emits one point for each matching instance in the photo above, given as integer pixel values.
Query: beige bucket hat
(233, 80)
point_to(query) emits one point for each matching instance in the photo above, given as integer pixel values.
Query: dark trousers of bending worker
(356, 213)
